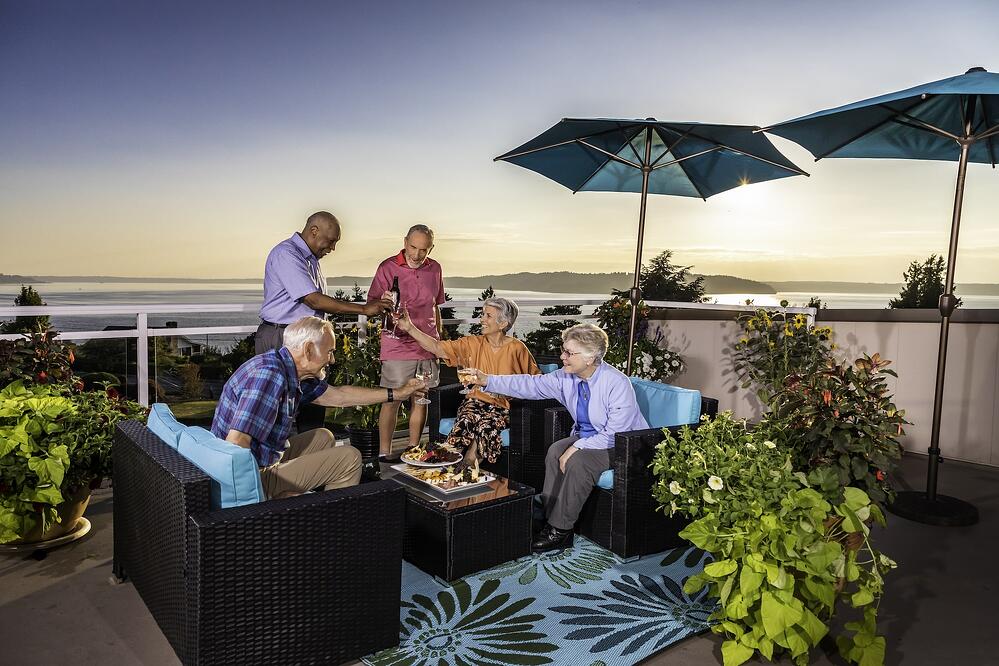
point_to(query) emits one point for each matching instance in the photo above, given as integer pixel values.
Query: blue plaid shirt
(261, 400)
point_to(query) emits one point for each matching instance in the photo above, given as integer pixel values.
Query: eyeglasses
(570, 354)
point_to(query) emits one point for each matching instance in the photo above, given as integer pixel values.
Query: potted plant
(784, 557)
(357, 363)
(55, 446)
(651, 359)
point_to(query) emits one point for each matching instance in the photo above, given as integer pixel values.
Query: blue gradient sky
(186, 138)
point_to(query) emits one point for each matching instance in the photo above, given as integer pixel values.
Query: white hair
(590, 337)
(507, 309)
(307, 329)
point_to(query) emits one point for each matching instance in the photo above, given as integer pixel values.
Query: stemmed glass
(466, 373)
(393, 316)
(424, 371)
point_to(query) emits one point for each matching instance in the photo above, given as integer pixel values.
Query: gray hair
(421, 228)
(305, 330)
(508, 310)
(590, 337)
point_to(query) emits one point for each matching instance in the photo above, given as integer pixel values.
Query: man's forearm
(324, 303)
(351, 396)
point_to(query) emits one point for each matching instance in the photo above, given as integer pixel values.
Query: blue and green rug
(582, 606)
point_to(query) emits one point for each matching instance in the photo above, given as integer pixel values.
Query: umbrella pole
(930, 507)
(635, 295)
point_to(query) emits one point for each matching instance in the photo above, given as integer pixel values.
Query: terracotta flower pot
(70, 512)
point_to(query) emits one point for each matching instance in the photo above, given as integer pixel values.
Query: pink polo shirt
(421, 290)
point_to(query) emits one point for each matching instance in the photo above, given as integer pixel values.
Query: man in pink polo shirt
(421, 290)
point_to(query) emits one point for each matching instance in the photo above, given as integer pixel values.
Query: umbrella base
(944, 511)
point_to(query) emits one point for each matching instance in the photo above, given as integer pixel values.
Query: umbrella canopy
(651, 156)
(955, 119)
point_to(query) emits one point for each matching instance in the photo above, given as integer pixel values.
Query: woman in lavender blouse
(602, 402)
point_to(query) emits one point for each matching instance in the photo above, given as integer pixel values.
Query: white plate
(419, 463)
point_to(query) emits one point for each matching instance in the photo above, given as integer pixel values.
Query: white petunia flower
(769, 444)
(715, 483)
(751, 446)
(675, 488)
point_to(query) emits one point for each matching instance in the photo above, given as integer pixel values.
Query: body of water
(135, 293)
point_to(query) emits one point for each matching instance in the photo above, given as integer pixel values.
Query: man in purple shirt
(294, 287)
(260, 400)
(602, 401)
(421, 290)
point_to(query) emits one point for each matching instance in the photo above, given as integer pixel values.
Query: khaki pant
(312, 460)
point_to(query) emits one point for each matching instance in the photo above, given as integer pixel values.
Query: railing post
(362, 328)
(142, 362)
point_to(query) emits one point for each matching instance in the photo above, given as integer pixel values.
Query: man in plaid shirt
(258, 405)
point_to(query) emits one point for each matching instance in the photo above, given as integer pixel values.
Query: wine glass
(424, 372)
(393, 316)
(466, 373)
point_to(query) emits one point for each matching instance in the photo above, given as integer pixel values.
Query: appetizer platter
(445, 479)
(431, 455)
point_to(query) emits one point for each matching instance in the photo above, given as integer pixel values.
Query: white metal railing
(142, 332)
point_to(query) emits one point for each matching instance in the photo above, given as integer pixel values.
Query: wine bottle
(396, 300)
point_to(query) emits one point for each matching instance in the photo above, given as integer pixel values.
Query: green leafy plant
(27, 297)
(923, 284)
(775, 344)
(651, 358)
(546, 339)
(784, 558)
(37, 357)
(358, 363)
(842, 426)
(54, 440)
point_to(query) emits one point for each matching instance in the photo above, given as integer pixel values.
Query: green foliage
(356, 295)
(38, 357)
(775, 344)
(476, 329)
(651, 359)
(27, 297)
(240, 353)
(358, 363)
(662, 281)
(784, 557)
(842, 426)
(923, 284)
(450, 330)
(546, 340)
(190, 377)
(54, 440)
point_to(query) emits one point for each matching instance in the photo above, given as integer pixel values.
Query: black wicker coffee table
(450, 538)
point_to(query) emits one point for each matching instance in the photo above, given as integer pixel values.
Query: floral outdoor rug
(580, 606)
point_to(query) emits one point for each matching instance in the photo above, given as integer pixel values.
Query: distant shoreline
(552, 282)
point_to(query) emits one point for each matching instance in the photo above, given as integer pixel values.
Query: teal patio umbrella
(650, 157)
(955, 119)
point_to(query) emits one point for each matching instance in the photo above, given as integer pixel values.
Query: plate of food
(445, 479)
(431, 455)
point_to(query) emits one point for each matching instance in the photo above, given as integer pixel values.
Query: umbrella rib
(507, 156)
(616, 158)
(861, 133)
(988, 133)
(669, 148)
(722, 146)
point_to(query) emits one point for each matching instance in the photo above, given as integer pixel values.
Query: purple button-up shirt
(261, 400)
(291, 273)
(613, 407)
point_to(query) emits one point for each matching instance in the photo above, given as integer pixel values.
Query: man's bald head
(321, 233)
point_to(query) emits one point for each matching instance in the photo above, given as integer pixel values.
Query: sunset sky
(186, 138)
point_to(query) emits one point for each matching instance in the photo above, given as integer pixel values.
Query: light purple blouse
(613, 407)
(291, 273)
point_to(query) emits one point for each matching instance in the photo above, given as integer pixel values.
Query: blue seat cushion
(448, 423)
(163, 424)
(606, 480)
(233, 469)
(663, 405)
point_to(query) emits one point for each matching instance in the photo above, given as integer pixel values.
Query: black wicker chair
(313, 579)
(524, 459)
(624, 519)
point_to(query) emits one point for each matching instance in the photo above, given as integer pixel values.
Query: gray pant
(564, 494)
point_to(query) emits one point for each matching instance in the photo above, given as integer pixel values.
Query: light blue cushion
(606, 480)
(664, 405)
(163, 424)
(548, 367)
(232, 468)
(448, 423)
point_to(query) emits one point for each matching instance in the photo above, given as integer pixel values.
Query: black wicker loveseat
(313, 579)
(624, 519)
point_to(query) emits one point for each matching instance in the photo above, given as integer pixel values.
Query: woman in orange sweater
(483, 415)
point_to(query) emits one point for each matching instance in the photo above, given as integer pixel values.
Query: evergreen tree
(662, 281)
(476, 329)
(450, 330)
(27, 297)
(546, 340)
(924, 283)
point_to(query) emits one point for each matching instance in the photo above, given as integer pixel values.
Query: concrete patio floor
(939, 608)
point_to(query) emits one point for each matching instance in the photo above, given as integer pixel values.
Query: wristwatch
(391, 395)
